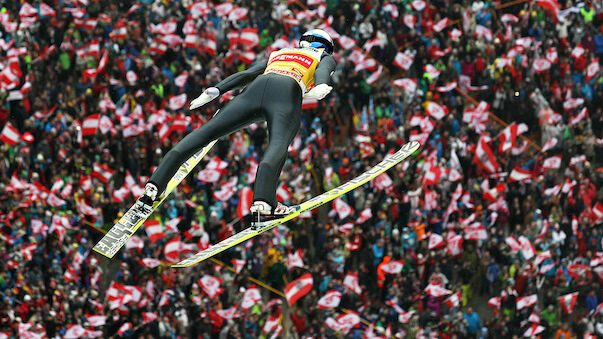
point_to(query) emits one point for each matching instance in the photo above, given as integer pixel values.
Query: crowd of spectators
(496, 236)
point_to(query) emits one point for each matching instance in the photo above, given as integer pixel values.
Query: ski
(127, 225)
(405, 151)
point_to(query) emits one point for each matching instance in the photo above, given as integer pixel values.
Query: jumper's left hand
(318, 92)
(205, 97)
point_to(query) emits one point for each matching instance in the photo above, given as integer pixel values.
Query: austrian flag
(568, 302)
(484, 157)
(298, 288)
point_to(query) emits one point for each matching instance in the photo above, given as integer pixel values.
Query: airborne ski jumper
(274, 93)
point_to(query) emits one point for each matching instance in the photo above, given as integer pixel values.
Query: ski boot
(261, 213)
(149, 195)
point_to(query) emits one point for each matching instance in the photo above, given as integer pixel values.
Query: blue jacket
(474, 323)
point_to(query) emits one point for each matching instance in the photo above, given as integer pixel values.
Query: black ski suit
(274, 98)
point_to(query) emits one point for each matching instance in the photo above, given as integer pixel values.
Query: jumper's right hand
(318, 92)
(205, 97)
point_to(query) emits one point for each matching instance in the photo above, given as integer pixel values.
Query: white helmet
(317, 38)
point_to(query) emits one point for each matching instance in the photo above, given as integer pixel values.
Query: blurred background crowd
(493, 230)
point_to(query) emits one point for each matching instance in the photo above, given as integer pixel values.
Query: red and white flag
(96, 320)
(38, 227)
(102, 172)
(172, 249)
(124, 328)
(598, 212)
(229, 313)
(578, 51)
(572, 103)
(223, 9)
(568, 302)
(484, 157)
(527, 249)
(475, 233)
(441, 24)
(90, 124)
(528, 301)
(237, 13)
(436, 290)
(27, 10)
(46, 10)
(410, 85)
(55, 201)
(351, 282)
(483, 32)
(506, 18)
(519, 174)
(10, 135)
(403, 60)
(283, 193)
(343, 210)
(494, 302)
(435, 241)
(176, 102)
(251, 297)
(27, 251)
(549, 144)
(509, 135)
(533, 330)
(73, 332)
(245, 201)
(409, 20)
(579, 117)
(147, 317)
(180, 80)
(211, 286)
(404, 317)
(330, 300)
(209, 175)
(393, 267)
(295, 260)
(436, 111)
(454, 300)
(592, 70)
(447, 88)
(432, 71)
(150, 262)
(298, 288)
(346, 42)
(454, 245)
(534, 318)
(541, 65)
(513, 244)
(552, 162)
(418, 5)
(154, 230)
(135, 242)
(374, 76)
(365, 215)
(270, 324)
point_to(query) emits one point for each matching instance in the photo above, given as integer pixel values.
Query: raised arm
(322, 78)
(236, 80)
(323, 72)
(241, 78)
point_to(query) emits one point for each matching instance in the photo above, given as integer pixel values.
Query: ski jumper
(274, 94)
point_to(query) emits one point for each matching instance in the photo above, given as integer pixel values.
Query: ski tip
(186, 263)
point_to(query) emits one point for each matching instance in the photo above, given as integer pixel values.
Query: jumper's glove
(205, 97)
(318, 92)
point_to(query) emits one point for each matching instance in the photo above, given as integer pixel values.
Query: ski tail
(127, 225)
(405, 151)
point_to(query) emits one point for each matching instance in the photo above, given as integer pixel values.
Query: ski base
(405, 151)
(127, 225)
